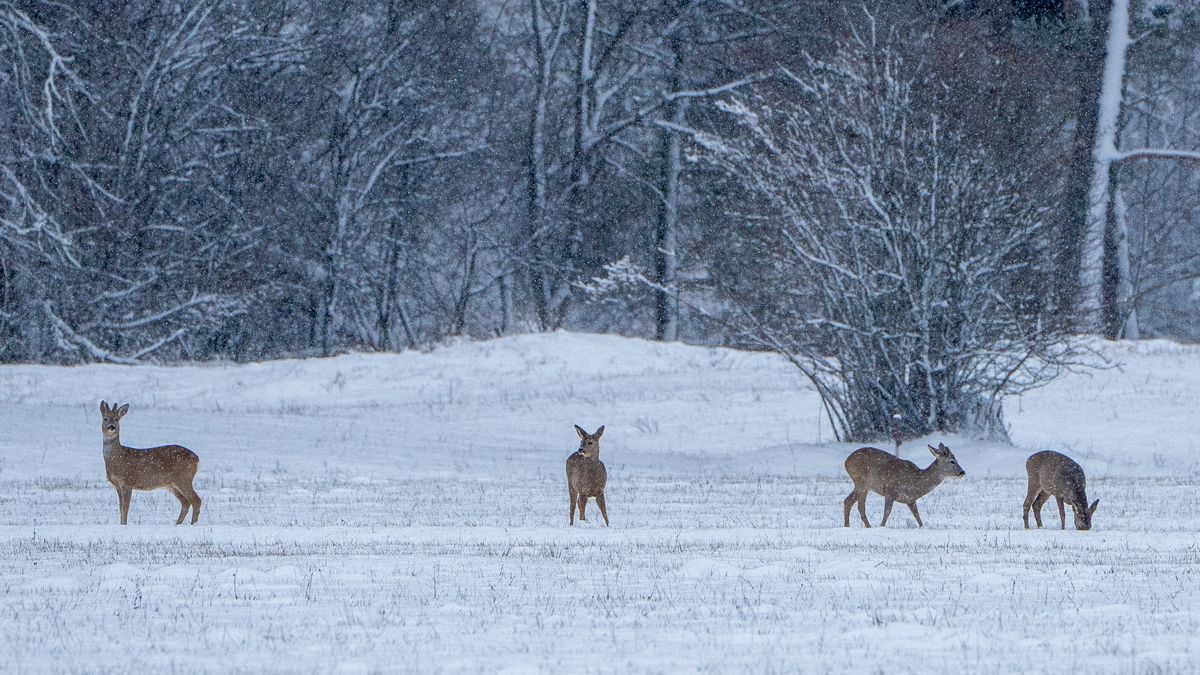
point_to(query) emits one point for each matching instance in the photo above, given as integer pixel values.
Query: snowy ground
(408, 512)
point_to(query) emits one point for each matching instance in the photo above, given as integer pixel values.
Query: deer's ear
(122, 410)
(934, 451)
(599, 432)
(582, 434)
(103, 407)
(1092, 508)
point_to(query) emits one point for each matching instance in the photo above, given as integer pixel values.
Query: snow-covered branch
(1155, 153)
(71, 339)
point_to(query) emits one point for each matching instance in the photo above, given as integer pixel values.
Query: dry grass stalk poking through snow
(586, 475)
(898, 480)
(167, 466)
(1053, 474)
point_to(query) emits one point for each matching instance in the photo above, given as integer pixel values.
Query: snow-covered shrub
(893, 261)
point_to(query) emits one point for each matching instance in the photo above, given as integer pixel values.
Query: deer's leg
(1038, 503)
(1062, 513)
(913, 507)
(190, 494)
(120, 501)
(571, 493)
(582, 507)
(184, 503)
(603, 510)
(887, 510)
(124, 495)
(862, 508)
(848, 504)
(1030, 496)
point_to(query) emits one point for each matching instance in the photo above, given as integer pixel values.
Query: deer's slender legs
(124, 495)
(582, 507)
(603, 510)
(913, 507)
(1038, 503)
(862, 508)
(887, 510)
(190, 494)
(1030, 497)
(184, 504)
(848, 504)
(572, 494)
(1062, 513)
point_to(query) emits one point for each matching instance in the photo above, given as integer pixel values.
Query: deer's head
(945, 462)
(1083, 515)
(589, 444)
(110, 424)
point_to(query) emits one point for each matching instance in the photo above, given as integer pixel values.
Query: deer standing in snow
(898, 480)
(167, 466)
(1053, 474)
(586, 475)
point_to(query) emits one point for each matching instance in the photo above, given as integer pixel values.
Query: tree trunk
(330, 292)
(666, 300)
(506, 304)
(1104, 150)
(406, 324)
(390, 289)
(580, 174)
(1088, 74)
(1126, 307)
(536, 185)
(1110, 317)
(464, 296)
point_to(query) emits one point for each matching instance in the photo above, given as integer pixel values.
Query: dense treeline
(248, 179)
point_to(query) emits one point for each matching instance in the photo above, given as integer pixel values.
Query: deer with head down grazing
(1053, 474)
(168, 466)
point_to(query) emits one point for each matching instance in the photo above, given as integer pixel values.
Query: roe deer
(167, 466)
(898, 480)
(1053, 474)
(586, 475)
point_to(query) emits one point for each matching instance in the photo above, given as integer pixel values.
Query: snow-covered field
(409, 512)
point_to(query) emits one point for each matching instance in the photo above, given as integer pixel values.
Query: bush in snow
(889, 258)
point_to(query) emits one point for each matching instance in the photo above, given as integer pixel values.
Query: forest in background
(885, 183)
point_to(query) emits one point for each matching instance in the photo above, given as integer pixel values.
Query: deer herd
(1051, 474)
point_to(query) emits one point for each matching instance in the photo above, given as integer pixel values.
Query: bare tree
(251, 178)
(1113, 313)
(384, 87)
(103, 167)
(39, 86)
(888, 258)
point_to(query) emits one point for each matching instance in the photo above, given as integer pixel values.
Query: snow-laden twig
(74, 340)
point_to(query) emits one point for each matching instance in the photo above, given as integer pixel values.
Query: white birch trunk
(1130, 329)
(536, 188)
(1104, 151)
(547, 38)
